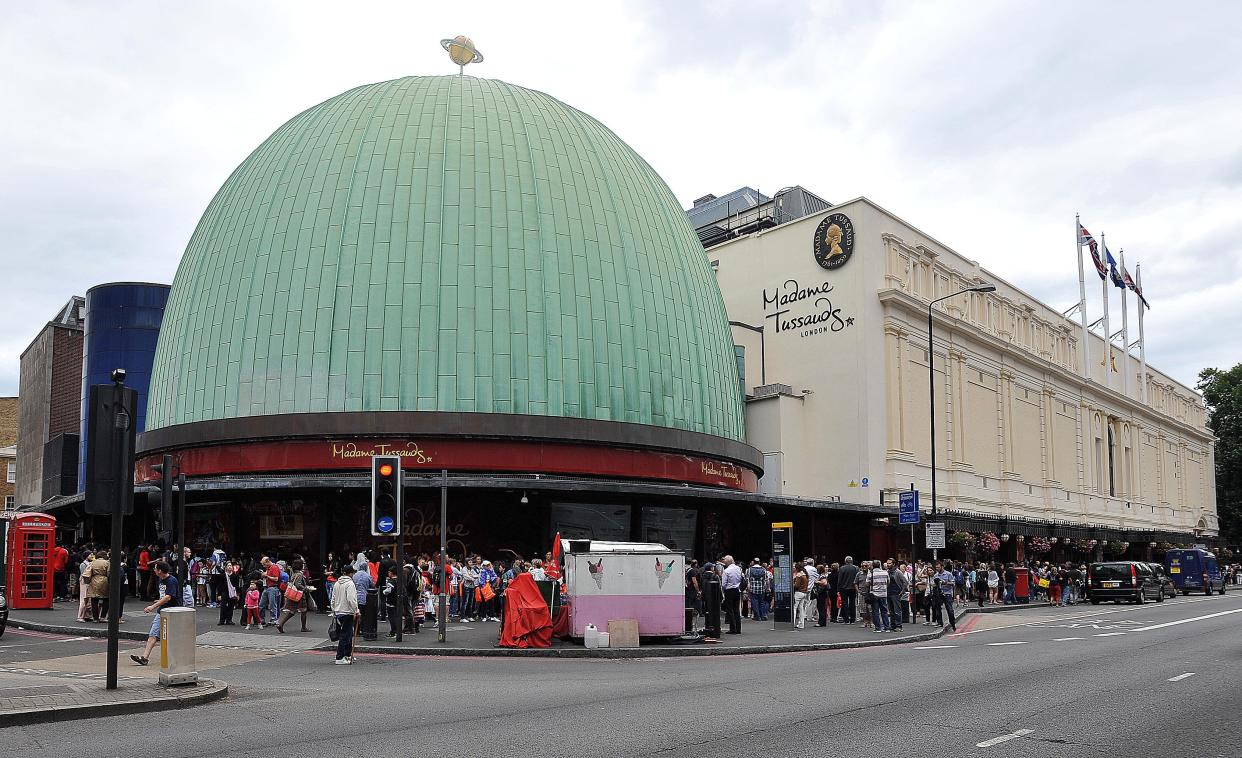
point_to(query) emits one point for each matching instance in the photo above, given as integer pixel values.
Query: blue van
(1194, 569)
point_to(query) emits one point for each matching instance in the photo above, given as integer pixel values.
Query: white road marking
(1187, 621)
(1180, 677)
(1004, 738)
(1110, 634)
(1067, 639)
(74, 639)
(934, 647)
(998, 644)
(1092, 614)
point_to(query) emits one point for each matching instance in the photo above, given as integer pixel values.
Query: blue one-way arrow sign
(908, 507)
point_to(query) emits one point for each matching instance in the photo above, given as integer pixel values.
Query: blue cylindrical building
(122, 326)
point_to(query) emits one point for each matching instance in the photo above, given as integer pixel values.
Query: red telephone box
(28, 542)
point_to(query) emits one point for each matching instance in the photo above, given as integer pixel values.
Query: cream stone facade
(837, 386)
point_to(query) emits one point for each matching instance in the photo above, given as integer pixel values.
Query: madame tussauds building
(480, 279)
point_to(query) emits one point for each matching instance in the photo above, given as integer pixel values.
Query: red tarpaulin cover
(527, 621)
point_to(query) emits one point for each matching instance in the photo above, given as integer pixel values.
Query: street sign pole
(442, 610)
(123, 402)
(400, 550)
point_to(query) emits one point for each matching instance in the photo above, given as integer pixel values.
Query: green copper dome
(446, 244)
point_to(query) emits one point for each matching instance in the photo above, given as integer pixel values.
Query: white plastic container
(591, 636)
(603, 639)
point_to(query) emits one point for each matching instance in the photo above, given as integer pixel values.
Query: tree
(1222, 392)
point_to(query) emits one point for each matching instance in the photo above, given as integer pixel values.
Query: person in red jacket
(144, 573)
(60, 575)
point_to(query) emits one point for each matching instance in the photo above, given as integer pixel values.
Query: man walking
(945, 583)
(846, 579)
(345, 607)
(269, 601)
(731, 584)
(169, 596)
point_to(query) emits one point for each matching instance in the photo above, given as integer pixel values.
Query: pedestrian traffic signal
(386, 495)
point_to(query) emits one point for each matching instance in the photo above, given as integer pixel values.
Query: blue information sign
(908, 507)
(385, 524)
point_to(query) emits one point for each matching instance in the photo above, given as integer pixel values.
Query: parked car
(1123, 580)
(1194, 569)
(1166, 584)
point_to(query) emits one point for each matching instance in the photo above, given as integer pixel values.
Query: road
(1111, 680)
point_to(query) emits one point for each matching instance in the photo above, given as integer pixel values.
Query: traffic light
(164, 471)
(385, 495)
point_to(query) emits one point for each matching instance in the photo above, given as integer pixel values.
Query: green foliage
(1222, 392)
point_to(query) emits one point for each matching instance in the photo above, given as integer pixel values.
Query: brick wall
(66, 400)
(8, 421)
(32, 416)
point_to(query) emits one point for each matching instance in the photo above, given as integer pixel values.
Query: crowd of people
(270, 590)
(882, 595)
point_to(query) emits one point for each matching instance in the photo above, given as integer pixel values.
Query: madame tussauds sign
(807, 309)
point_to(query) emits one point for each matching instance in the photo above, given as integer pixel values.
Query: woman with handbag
(295, 596)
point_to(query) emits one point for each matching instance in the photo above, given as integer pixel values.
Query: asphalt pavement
(1109, 680)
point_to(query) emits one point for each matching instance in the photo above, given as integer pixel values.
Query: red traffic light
(385, 469)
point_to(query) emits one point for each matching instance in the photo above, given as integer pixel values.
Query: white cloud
(987, 125)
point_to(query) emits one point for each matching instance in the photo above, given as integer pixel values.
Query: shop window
(590, 521)
(672, 527)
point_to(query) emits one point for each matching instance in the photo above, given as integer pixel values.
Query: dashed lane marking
(1180, 677)
(1067, 639)
(1111, 634)
(933, 647)
(1004, 738)
(999, 644)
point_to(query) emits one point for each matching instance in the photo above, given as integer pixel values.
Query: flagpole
(1108, 335)
(1125, 333)
(1138, 279)
(1082, 301)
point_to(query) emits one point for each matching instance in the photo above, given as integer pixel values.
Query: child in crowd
(252, 606)
(390, 601)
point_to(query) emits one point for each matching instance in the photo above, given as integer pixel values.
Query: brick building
(50, 392)
(8, 452)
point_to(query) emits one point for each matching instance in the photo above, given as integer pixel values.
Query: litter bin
(177, 633)
(370, 616)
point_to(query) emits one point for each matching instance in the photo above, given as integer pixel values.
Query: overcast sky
(987, 125)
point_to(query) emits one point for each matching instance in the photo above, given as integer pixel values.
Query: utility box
(177, 641)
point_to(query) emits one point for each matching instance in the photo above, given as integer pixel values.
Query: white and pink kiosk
(612, 581)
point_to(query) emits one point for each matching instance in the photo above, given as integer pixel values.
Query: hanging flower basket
(988, 543)
(1082, 547)
(1116, 548)
(1038, 545)
(962, 539)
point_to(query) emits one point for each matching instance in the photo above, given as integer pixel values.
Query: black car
(1123, 580)
(1166, 584)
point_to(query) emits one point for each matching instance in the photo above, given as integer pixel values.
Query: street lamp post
(931, 381)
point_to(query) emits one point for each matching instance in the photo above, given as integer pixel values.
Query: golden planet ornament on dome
(461, 51)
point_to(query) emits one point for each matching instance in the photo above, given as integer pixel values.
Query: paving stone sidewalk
(33, 696)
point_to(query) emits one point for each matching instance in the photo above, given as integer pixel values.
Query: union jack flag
(1084, 237)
